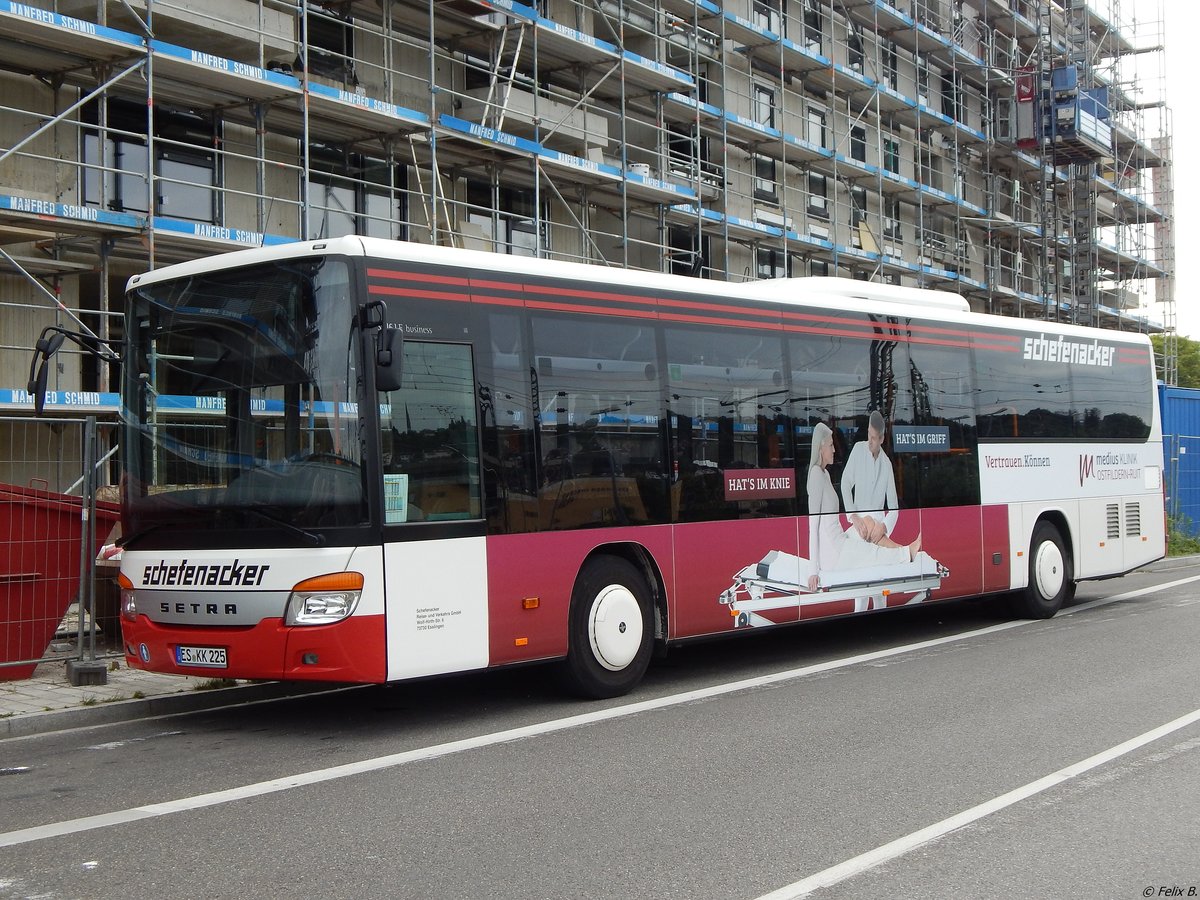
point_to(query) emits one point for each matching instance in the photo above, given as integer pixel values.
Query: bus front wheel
(611, 629)
(1051, 576)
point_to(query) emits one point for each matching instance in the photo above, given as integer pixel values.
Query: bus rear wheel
(611, 629)
(1051, 576)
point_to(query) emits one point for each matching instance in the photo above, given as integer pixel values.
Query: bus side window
(937, 395)
(434, 436)
(1018, 398)
(507, 386)
(597, 434)
(726, 400)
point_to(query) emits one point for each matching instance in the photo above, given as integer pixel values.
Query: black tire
(611, 629)
(1051, 575)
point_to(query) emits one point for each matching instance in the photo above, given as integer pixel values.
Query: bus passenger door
(434, 546)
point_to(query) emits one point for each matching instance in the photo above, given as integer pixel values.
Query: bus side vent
(1114, 522)
(1133, 520)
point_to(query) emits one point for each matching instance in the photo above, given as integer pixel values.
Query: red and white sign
(759, 484)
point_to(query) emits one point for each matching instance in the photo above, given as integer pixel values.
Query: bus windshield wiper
(128, 541)
(317, 540)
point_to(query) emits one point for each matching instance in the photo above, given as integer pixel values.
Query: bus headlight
(324, 599)
(128, 598)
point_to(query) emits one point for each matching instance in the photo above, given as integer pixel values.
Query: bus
(364, 461)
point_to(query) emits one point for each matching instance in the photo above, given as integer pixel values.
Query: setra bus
(359, 460)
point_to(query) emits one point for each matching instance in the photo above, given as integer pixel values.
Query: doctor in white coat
(869, 485)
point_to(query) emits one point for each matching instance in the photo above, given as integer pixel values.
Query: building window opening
(766, 16)
(858, 215)
(812, 25)
(858, 143)
(330, 49)
(818, 196)
(891, 155)
(508, 217)
(689, 252)
(854, 46)
(815, 124)
(353, 194)
(764, 106)
(116, 164)
(766, 185)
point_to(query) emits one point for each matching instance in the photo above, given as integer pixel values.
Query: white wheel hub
(1048, 569)
(615, 627)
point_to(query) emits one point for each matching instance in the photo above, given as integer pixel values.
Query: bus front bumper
(353, 650)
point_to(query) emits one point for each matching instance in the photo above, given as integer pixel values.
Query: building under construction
(1016, 152)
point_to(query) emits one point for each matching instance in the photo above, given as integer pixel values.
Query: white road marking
(1129, 595)
(117, 745)
(859, 864)
(318, 776)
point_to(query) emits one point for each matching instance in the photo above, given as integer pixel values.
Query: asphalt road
(906, 754)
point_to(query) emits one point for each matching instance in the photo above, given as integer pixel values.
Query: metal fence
(1183, 481)
(53, 604)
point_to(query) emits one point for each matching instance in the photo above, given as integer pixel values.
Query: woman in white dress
(829, 547)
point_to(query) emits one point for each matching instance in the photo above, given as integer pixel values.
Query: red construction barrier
(40, 533)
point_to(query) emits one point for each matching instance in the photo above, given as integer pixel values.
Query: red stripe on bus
(861, 331)
(413, 292)
(594, 295)
(497, 301)
(497, 285)
(397, 275)
(772, 319)
(591, 310)
(710, 320)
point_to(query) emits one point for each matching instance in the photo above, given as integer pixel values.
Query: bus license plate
(208, 657)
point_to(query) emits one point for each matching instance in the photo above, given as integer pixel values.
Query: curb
(161, 705)
(1172, 562)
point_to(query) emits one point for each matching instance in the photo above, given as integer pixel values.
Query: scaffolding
(750, 139)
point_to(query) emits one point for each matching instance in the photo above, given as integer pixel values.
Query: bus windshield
(240, 405)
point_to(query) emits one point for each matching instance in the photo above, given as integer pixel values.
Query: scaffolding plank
(743, 32)
(195, 77)
(895, 184)
(605, 177)
(644, 186)
(370, 113)
(746, 132)
(657, 76)
(735, 225)
(865, 12)
(687, 9)
(791, 149)
(206, 73)
(1128, 203)
(891, 100)
(1132, 151)
(65, 217)
(797, 58)
(1110, 39)
(1008, 21)
(683, 108)
(214, 237)
(924, 116)
(65, 34)
(842, 80)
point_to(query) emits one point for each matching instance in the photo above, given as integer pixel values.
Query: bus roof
(828, 293)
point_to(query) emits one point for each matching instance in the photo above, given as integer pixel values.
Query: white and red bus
(363, 461)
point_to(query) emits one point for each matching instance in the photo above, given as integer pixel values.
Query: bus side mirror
(388, 345)
(45, 348)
